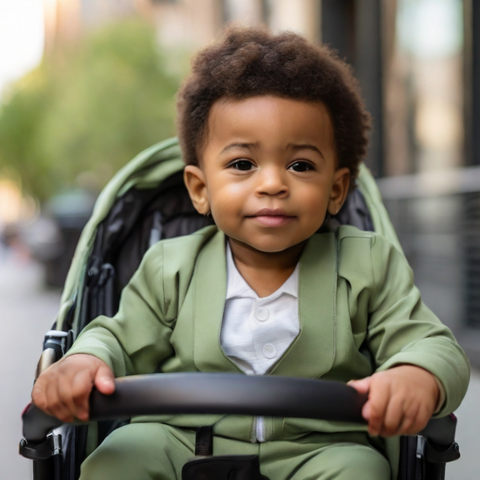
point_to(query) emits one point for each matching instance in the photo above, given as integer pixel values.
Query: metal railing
(437, 218)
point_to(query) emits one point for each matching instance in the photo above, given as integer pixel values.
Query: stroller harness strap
(228, 467)
(204, 441)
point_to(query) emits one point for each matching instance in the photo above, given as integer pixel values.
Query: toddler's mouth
(272, 217)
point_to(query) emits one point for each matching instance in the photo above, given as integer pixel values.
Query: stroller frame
(144, 198)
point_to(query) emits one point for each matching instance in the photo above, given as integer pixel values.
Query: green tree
(89, 108)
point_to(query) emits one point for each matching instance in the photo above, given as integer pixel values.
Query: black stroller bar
(216, 393)
(221, 393)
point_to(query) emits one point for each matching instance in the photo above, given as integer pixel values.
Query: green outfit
(160, 451)
(359, 313)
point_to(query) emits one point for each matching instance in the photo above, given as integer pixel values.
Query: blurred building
(181, 23)
(413, 58)
(66, 20)
(11, 202)
(193, 23)
(352, 27)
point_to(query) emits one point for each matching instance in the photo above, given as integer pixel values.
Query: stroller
(146, 202)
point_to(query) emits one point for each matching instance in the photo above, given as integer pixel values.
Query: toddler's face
(268, 171)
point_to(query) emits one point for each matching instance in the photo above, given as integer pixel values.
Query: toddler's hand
(63, 388)
(400, 400)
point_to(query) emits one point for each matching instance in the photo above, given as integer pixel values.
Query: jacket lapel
(313, 352)
(210, 279)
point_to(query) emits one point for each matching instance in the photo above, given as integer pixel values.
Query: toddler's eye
(242, 165)
(301, 166)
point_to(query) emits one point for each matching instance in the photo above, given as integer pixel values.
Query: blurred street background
(87, 84)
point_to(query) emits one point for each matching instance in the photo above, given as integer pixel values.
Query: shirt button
(269, 350)
(261, 314)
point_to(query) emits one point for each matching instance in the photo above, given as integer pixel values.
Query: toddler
(272, 130)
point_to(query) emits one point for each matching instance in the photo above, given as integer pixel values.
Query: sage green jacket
(359, 313)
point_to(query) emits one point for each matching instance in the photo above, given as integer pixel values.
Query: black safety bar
(221, 393)
(217, 393)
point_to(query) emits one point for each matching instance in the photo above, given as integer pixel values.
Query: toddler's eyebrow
(300, 146)
(307, 146)
(239, 145)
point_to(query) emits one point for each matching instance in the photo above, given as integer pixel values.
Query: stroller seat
(146, 202)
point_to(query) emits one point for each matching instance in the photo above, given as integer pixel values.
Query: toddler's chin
(273, 246)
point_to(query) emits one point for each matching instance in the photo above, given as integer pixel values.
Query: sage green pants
(154, 451)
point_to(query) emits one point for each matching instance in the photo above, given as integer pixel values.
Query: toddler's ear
(194, 179)
(339, 192)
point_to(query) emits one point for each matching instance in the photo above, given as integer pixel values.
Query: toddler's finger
(362, 385)
(55, 406)
(421, 419)
(105, 380)
(407, 426)
(81, 387)
(38, 395)
(394, 416)
(378, 401)
(65, 395)
(366, 411)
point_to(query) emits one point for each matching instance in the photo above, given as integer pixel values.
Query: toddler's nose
(272, 181)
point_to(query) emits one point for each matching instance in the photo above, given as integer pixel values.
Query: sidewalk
(468, 434)
(26, 312)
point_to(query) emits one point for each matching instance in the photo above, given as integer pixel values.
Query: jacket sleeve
(402, 330)
(137, 338)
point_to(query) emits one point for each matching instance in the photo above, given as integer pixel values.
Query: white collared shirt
(256, 331)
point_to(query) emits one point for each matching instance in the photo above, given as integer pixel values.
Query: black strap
(204, 441)
(229, 467)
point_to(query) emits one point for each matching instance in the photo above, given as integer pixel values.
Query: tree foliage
(86, 110)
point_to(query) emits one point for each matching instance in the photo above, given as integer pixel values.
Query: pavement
(27, 311)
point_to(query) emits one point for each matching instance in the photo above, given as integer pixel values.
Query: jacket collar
(312, 353)
(238, 287)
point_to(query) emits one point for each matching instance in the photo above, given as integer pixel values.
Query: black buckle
(50, 447)
(439, 454)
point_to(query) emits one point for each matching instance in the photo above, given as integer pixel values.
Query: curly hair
(248, 62)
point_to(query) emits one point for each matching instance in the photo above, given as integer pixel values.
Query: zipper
(260, 429)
